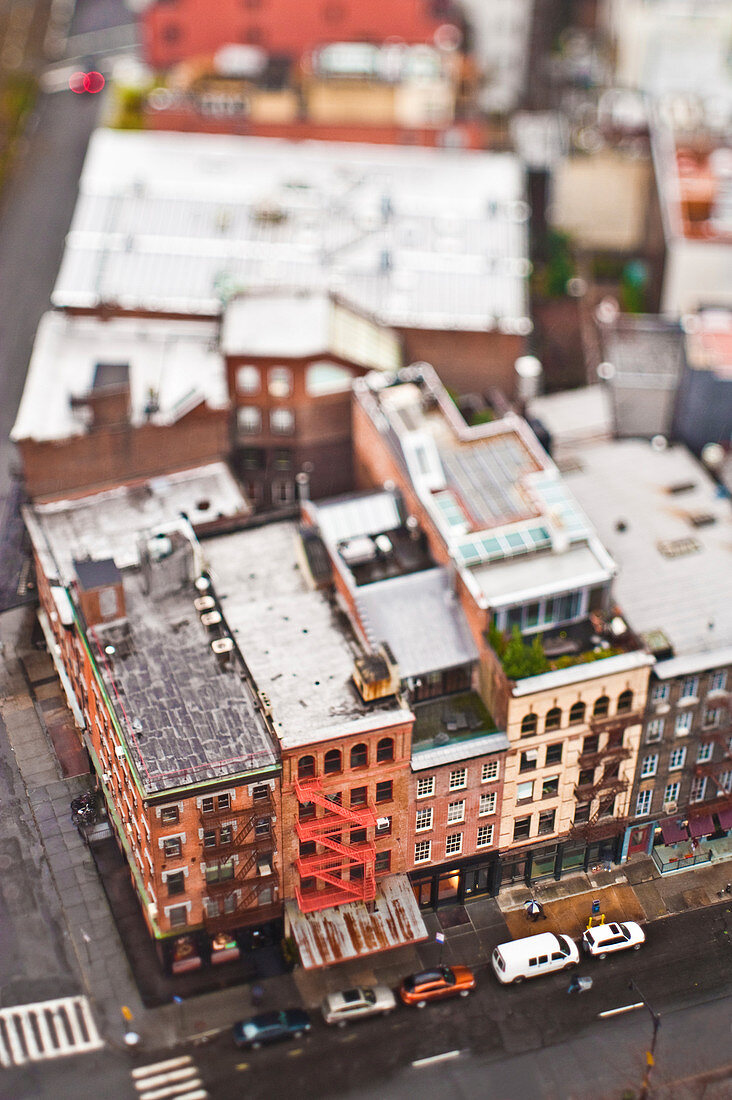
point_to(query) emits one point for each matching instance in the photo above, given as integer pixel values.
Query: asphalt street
(684, 972)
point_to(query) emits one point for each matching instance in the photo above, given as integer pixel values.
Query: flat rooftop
(173, 362)
(425, 238)
(670, 532)
(298, 646)
(185, 718)
(106, 525)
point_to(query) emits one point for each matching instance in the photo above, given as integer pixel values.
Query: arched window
(359, 756)
(601, 707)
(385, 750)
(576, 713)
(625, 701)
(332, 761)
(528, 725)
(553, 719)
(305, 767)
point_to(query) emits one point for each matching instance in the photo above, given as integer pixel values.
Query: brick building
(290, 361)
(119, 400)
(558, 667)
(173, 31)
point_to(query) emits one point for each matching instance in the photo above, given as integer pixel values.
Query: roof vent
(702, 519)
(678, 548)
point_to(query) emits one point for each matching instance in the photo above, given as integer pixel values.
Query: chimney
(101, 593)
(528, 379)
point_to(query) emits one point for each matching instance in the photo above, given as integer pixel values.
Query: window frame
(457, 807)
(423, 851)
(427, 814)
(427, 793)
(458, 780)
(487, 830)
(487, 804)
(453, 844)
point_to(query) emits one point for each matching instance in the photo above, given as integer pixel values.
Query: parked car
(532, 956)
(355, 1004)
(270, 1027)
(433, 985)
(605, 938)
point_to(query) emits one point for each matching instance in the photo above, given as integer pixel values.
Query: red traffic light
(92, 82)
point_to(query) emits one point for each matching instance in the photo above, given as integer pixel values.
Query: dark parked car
(270, 1027)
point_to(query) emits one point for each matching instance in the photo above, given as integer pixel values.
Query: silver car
(605, 938)
(356, 1004)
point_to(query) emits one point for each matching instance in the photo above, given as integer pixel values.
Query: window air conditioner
(382, 822)
(670, 807)
(119, 752)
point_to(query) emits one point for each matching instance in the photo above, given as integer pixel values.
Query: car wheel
(464, 992)
(421, 1004)
(568, 966)
(517, 981)
(602, 955)
(256, 1046)
(297, 1034)
(341, 1023)
(637, 946)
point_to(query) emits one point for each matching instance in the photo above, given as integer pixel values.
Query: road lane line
(160, 1067)
(435, 1058)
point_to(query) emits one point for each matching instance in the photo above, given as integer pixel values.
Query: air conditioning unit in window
(119, 752)
(670, 807)
(382, 822)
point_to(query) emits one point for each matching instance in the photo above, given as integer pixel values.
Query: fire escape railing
(328, 868)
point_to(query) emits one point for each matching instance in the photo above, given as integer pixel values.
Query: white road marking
(34, 1032)
(435, 1058)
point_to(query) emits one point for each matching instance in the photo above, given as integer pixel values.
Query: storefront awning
(350, 931)
(701, 826)
(725, 818)
(673, 831)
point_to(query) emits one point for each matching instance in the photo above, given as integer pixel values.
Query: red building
(172, 30)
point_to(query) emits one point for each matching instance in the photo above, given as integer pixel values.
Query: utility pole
(650, 1054)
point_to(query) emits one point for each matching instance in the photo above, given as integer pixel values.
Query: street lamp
(650, 1061)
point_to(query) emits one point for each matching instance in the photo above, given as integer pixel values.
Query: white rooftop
(106, 525)
(176, 361)
(290, 637)
(416, 237)
(574, 416)
(293, 324)
(686, 591)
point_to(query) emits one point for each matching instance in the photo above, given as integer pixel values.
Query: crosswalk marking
(47, 1029)
(174, 1079)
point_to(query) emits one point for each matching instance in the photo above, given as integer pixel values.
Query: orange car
(433, 985)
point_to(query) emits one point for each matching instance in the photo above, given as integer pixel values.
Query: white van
(532, 956)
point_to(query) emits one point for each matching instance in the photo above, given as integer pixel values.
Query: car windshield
(369, 996)
(564, 946)
(351, 996)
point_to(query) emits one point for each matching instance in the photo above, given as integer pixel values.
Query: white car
(356, 1004)
(605, 938)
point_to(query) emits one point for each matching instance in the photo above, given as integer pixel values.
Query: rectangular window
(711, 718)
(546, 822)
(698, 788)
(487, 804)
(226, 834)
(649, 766)
(207, 805)
(423, 851)
(683, 723)
(383, 862)
(384, 791)
(247, 379)
(454, 844)
(358, 836)
(426, 787)
(690, 687)
(282, 421)
(260, 793)
(660, 693)
(671, 794)
(169, 815)
(643, 803)
(550, 787)
(456, 812)
(485, 836)
(359, 796)
(424, 819)
(521, 828)
(262, 826)
(249, 419)
(582, 812)
(676, 759)
(705, 752)
(654, 730)
(458, 779)
(220, 872)
(529, 760)
(553, 753)
(171, 847)
(725, 781)
(176, 883)
(718, 681)
(279, 381)
(209, 838)
(178, 916)
(489, 771)
(524, 792)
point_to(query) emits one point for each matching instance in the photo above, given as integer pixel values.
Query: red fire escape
(329, 867)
